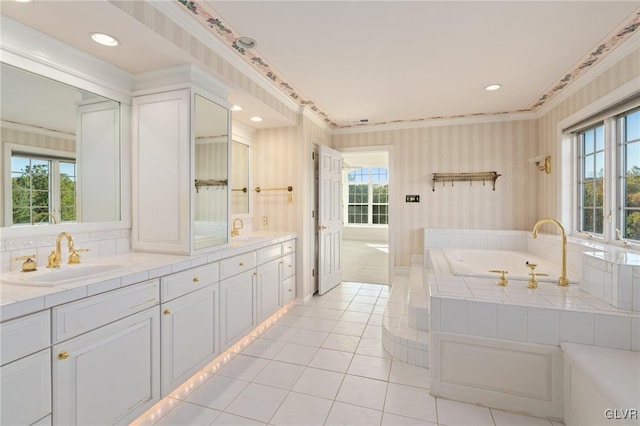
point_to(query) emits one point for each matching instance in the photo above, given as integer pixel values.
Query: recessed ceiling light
(246, 42)
(104, 39)
(236, 108)
(256, 119)
(493, 87)
(24, 1)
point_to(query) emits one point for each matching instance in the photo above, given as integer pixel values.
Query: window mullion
(611, 179)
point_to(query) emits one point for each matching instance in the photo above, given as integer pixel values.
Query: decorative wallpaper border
(223, 31)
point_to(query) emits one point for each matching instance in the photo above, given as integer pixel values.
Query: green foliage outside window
(31, 193)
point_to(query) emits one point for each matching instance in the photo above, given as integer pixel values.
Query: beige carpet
(365, 262)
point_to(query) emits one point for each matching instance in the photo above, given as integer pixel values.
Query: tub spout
(563, 280)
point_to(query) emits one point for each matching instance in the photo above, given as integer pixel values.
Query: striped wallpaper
(622, 72)
(501, 146)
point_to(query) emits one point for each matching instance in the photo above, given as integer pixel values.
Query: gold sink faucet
(235, 230)
(563, 280)
(53, 261)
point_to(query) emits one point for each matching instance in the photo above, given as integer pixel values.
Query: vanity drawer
(84, 315)
(268, 253)
(24, 336)
(184, 282)
(288, 265)
(237, 264)
(288, 247)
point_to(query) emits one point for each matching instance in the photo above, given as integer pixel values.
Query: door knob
(63, 355)
(324, 227)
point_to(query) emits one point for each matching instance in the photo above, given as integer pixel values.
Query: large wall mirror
(211, 173)
(240, 178)
(61, 152)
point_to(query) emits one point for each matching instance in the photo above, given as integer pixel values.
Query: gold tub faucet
(563, 280)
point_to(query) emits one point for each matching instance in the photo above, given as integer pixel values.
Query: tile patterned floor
(320, 364)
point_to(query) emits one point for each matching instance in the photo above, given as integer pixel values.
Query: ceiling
(381, 61)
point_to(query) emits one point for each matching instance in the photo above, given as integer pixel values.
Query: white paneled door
(330, 219)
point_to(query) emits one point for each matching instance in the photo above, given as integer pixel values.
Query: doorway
(365, 254)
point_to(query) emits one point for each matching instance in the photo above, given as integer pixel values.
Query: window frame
(370, 183)
(613, 200)
(55, 157)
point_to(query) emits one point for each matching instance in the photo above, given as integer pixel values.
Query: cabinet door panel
(288, 289)
(268, 289)
(26, 389)
(24, 336)
(109, 375)
(189, 335)
(237, 307)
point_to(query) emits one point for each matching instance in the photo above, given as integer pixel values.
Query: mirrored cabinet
(180, 163)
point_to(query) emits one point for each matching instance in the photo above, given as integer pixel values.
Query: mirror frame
(20, 48)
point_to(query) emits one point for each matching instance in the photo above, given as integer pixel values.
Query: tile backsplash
(99, 243)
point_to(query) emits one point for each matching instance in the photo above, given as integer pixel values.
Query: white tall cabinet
(167, 125)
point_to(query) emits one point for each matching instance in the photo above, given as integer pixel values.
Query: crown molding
(440, 122)
(26, 48)
(307, 113)
(176, 13)
(242, 133)
(180, 77)
(619, 53)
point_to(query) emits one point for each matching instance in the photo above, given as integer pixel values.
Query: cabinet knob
(289, 289)
(241, 264)
(63, 355)
(167, 312)
(255, 274)
(196, 279)
(290, 266)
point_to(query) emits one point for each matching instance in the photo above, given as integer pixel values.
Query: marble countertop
(20, 299)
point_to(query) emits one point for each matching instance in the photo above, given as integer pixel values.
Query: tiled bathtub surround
(609, 273)
(614, 278)
(548, 315)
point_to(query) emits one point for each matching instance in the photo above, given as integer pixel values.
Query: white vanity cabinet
(180, 163)
(25, 374)
(268, 289)
(237, 297)
(189, 324)
(106, 360)
(288, 278)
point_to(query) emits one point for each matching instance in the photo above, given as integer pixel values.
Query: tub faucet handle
(533, 283)
(502, 281)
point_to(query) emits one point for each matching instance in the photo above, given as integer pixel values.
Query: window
(591, 147)
(42, 184)
(608, 182)
(630, 176)
(368, 196)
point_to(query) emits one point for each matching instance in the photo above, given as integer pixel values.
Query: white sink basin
(51, 277)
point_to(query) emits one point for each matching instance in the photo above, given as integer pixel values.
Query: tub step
(405, 321)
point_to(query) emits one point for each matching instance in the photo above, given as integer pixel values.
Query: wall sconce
(542, 163)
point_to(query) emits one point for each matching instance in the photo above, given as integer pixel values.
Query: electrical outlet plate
(265, 221)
